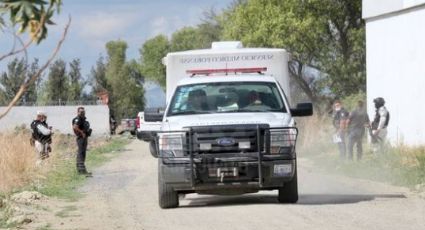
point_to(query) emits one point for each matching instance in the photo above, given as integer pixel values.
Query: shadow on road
(304, 199)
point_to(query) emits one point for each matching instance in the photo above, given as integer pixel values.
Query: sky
(95, 22)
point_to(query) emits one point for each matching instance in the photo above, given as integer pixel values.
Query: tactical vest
(377, 119)
(36, 135)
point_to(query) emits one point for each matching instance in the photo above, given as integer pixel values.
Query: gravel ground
(123, 195)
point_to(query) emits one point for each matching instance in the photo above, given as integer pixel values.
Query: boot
(85, 173)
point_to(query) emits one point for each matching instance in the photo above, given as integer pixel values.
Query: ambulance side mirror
(153, 114)
(302, 110)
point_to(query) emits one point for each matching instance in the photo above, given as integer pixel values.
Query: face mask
(337, 108)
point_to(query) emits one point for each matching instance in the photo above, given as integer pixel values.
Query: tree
(76, 83)
(57, 83)
(135, 72)
(32, 92)
(187, 38)
(345, 61)
(17, 72)
(128, 98)
(31, 17)
(210, 29)
(284, 27)
(125, 92)
(12, 79)
(98, 75)
(152, 52)
(315, 32)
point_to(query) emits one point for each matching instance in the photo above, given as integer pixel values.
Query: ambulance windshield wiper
(257, 110)
(189, 112)
(251, 110)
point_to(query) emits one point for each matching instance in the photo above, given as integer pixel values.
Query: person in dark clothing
(357, 122)
(379, 125)
(82, 130)
(41, 135)
(197, 100)
(340, 117)
(112, 124)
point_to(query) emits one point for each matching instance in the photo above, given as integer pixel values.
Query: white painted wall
(59, 117)
(395, 51)
(373, 8)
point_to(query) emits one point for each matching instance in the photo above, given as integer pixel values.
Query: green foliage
(116, 58)
(58, 82)
(326, 35)
(345, 61)
(63, 180)
(210, 29)
(152, 52)
(350, 102)
(31, 16)
(76, 83)
(32, 92)
(12, 79)
(18, 72)
(98, 74)
(185, 39)
(399, 165)
(125, 89)
(62, 85)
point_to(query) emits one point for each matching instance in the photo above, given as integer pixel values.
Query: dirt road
(123, 195)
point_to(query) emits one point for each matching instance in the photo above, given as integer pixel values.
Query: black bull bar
(205, 145)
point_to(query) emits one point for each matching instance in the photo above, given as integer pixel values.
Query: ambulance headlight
(171, 145)
(282, 142)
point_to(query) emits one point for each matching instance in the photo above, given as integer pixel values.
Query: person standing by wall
(340, 116)
(380, 124)
(82, 130)
(358, 120)
(41, 135)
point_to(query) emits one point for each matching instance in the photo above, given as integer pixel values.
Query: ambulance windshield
(226, 97)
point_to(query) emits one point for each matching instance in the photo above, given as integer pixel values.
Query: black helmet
(379, 101)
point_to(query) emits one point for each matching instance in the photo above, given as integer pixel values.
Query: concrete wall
(395, 51)
(374, 8)
(59, 117)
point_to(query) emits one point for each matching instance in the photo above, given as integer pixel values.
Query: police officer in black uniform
(82, 130)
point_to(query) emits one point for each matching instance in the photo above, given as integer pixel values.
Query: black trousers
(81, 154)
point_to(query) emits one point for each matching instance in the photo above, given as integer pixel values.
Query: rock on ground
(27, 197)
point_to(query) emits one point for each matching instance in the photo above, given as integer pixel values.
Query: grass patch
(65, 212)
(17, 159)
(399, 165)
(63, 179)
(45, 227)
(390, 167)
(2, 221)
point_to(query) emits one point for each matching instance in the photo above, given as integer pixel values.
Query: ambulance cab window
(227, 97)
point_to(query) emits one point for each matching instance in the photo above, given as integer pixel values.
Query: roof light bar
(232, 70)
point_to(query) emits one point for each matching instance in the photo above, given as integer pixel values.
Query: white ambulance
(228, 127)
